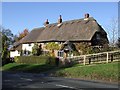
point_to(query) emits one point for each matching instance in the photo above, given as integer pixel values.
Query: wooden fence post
(107, 57)
(84, 59)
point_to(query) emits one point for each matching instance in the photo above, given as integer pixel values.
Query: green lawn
(32, 68)
(106, 72)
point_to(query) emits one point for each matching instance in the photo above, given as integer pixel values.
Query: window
(98, 36)
(19, 52)
(25, 52)
(29, 44)
(60, 53)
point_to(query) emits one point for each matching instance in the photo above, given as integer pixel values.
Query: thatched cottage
(85, 30)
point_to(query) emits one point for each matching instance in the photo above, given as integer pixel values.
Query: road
(29, 80)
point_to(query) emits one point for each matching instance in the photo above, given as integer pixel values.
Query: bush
(75, 53)
(37, 50)
(84, 48)
(16, 59)
(51, 61)
(35, 60)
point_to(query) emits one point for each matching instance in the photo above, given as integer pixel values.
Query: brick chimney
(60, 19)
(86, 16)
(46, 22)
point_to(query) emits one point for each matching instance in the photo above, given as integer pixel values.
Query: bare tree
(113, 31)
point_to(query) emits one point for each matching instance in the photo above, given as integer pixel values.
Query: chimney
(46, 22)
(60, 19)
(86, 15)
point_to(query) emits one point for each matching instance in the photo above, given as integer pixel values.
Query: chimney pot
(86, 15)
(46, 22)
(60, 19)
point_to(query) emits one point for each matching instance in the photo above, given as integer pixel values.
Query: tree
(37, 50)
(7, 40)
(22, 34)
(0, 42)
(113, 31)
(8, 33)
(83, 48)
(118, 43)
(52, 46)
(5, 52)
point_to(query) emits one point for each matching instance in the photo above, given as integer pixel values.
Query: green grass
(106, 72)
(32, 68)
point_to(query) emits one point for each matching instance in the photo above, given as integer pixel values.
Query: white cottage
(85, 30)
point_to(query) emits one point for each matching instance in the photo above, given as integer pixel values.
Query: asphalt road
(28, 80)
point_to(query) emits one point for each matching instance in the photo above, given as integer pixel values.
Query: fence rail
(96, 58)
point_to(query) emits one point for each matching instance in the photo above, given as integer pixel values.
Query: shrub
(75, 53)
(35, 60)
(83, 47)
(37, 50)
(16, 59)
(51, 61)
(52, 46)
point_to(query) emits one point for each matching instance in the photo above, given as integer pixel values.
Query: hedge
(35, 60)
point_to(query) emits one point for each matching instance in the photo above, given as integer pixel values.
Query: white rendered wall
(27, 47)
(14, 53)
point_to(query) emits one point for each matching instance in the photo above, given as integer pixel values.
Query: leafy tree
(22, 34)
(5, 52)
(37, 50)
(0, 42)
(8, 33)
(83, 48)
(6, 37)
(16, 38)
(52, 46)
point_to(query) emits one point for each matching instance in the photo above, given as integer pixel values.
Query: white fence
(96, 58)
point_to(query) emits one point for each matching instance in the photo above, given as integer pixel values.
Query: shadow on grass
(35, 68)
(32, 68)
(95, 71)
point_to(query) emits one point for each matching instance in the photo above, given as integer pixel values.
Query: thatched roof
(17, 45)
(73, 30)
(33, 35)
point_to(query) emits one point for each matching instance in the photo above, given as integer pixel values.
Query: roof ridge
(90, 18)
(37, 28)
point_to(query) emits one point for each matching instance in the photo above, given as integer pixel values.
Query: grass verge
(106, 72)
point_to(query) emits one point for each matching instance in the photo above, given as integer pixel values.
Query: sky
(18, 16)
